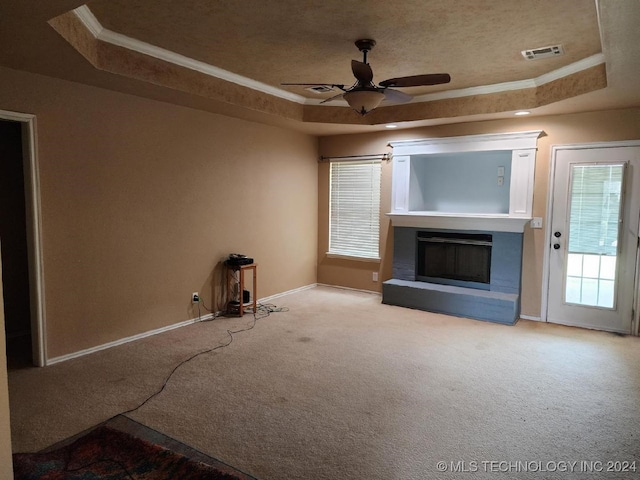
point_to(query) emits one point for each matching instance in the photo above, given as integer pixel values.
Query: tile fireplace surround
(501, 303)
(424, 172)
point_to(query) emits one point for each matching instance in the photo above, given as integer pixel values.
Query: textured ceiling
(478, 42)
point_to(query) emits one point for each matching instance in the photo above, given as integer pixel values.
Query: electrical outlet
(536, 222)
(375, 276)
(195, 298)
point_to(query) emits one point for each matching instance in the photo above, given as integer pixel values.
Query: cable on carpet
(102, 460)
(68, 458)
(262, 311)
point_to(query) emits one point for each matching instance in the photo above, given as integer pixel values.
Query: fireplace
(461, 259)
(468, 273)
(457, 232)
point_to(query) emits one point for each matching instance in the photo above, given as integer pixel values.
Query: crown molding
(89, 20)
(84, 14)
(562, 72)
(92, 24)
(468, 143)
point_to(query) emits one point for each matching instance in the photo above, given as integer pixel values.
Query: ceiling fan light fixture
(363, 101)
(365, 95)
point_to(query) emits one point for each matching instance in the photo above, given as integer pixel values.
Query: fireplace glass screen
(462, 259)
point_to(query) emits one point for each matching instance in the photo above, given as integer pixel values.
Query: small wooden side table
(239, 281)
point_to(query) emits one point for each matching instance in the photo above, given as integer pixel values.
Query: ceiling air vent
(543, 52)
(320, 89)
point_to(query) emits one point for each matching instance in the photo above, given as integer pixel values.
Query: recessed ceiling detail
(138, 58)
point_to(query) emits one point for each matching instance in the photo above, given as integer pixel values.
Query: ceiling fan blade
(396, 96)
(417, 80)
(335, 97)
(332, 85)
(362, 72)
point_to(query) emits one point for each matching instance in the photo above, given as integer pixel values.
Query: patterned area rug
(108, 453)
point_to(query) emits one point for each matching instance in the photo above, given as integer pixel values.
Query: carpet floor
(341, 386)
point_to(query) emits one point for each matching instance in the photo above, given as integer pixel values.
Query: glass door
(595, 217)
(594, 237)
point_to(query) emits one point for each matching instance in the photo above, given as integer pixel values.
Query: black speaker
(237, 260)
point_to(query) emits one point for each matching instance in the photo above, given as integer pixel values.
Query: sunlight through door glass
(594, 225)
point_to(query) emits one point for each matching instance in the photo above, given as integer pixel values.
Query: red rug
(109, 454)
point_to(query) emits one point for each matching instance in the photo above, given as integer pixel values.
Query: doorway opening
(20, 242)
(13, 238)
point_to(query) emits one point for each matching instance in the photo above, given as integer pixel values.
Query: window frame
(339, 245)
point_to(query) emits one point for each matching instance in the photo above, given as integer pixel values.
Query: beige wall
(561, 129)
(6, 463)
(141, 200)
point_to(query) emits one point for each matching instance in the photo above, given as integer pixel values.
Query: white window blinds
(596, 192)
(354, 209)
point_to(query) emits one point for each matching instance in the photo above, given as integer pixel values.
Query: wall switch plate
(536, 222)
(501, 171)
(375, 276)
(500, 181)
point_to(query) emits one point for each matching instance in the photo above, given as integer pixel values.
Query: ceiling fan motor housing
(365, 45)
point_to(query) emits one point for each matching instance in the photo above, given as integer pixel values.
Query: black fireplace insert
(461, 259)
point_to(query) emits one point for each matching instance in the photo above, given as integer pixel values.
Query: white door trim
(547, 248)
(34, 235)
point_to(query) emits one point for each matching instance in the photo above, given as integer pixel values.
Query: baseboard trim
(349, 288)
(133, 338)
(529, 317)
(288, 292)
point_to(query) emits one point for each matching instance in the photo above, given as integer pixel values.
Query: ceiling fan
(364, 95)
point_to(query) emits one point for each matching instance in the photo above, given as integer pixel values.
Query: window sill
(350, 257)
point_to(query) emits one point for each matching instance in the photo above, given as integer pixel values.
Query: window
(354, 209)
(594, 223)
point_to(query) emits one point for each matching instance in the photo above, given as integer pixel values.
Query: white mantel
(451, 221)
(522, 145)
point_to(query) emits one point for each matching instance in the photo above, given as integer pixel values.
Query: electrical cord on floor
(121, 465)
(262, 311)
(68, 458)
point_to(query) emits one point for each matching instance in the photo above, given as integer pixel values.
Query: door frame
(548, 234)
(34, 233)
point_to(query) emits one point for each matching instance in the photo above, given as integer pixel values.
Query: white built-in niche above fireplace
(474, 182)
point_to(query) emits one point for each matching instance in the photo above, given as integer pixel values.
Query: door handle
(556, 246)
(557, 234)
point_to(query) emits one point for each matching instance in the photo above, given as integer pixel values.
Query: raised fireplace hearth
(472, 274)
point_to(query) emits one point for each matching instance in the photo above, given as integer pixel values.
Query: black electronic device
(237, 260)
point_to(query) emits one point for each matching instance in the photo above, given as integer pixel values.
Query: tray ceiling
(260, 44)
(276, 41)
